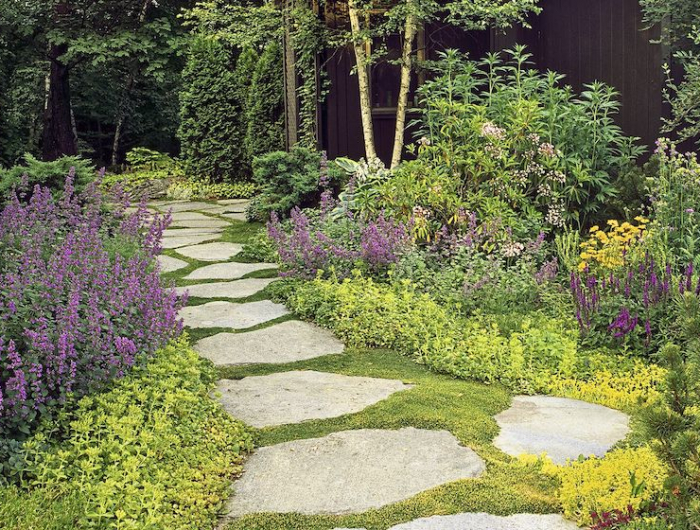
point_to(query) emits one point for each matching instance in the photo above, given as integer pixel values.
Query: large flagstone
(170, 264)
(187, 240)
(219, 251)
(234, 289)
(227, 271)
(282, 343)
(231, 315)
(293, 397)
(350, 471)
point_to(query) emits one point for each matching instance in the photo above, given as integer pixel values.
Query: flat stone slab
(184, 241)
(293, 397)
(170, 264)
(485, 521)
(230, 315)
(211, 251)
(227, 271)
(185, 206)
(179, 232)
(201, 223)
(189, 216)
(282, 343)
(235, 216)
(234, 289)
(563, 428)
(351, 471)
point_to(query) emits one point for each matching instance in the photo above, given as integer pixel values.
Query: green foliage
(154, 452)
(148, 159)
(203, 190)
(260, 248)
(674, 426)
(212, 131)
(48, 174)
(265, 105)
(144, 167)
(364, 313)
(289, 180)
(517, 140)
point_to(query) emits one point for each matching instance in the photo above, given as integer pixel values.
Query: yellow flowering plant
(612, 247)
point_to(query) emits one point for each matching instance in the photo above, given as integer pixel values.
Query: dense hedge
(154, 452)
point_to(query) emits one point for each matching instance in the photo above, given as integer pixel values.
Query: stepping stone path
(212, 251)
(228, 271)
(293, 397)
(231, 315)
(350, 471)
(282, 343)
(356, 470)
(169, 264)
(234, 289)
(563, 428)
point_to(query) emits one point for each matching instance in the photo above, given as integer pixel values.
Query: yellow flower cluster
(608, 483)
(608, 248)
(623, 391)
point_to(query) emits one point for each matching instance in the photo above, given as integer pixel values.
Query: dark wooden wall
(587, 40)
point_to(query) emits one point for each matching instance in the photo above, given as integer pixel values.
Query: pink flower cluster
(75, 312)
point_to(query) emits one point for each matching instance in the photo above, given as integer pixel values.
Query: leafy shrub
(622, 478)
(289, 180)
(611, 248)
(212, 128)
(204, 190)
(397, 316)
(516, 139)
(260, 248)
(154, 452)
(50, 175)
(144, 167)
(337, 246)
(265, 105)
(74, 316)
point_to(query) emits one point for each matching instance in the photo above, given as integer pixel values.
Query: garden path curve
(348, 471)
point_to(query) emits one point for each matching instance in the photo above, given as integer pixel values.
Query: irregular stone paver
(231, 315)
(169, 264)
(484, 521)
(235, 216)
(211, 251)
(234, 289)
(563, 428)
(185, 206)
(282, 343)
(179, 232)
(293, 397)
(201, 223)
(227, 271)
(351, 471)
(189, 216)
(184, 241)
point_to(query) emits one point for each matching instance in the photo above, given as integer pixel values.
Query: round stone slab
(227, 271)
(230, 315)
(282, 343)
(484, 521)
(293, 397)
(234, 289)
(211, 251)
(351, 471)
(563, 428)
(169, 264)
(187, 240)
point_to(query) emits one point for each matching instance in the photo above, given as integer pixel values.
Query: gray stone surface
(184, 241)
(350, 471)
(293, 397)
(190, 216)
(235, 216)
(212, 251)
(484, 521)
(233, 202)
(169, 264)
(234, 289)
(200, 223)
(179, 232)
(231, 315)
(282, 343)
(184, 206)
(227, 271)
(563, 428)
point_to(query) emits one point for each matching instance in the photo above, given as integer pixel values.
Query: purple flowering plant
(76, 310)
(631, 307)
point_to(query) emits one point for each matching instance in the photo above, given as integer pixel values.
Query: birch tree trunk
(363, 82)
(402, 105)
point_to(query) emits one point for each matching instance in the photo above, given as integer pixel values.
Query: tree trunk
(409, 38)
(363, 82)
(58, 138)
